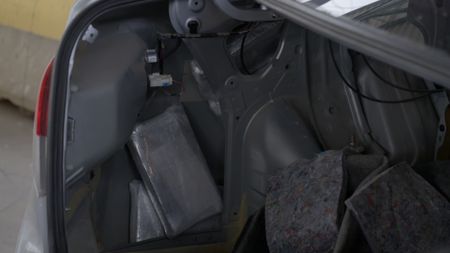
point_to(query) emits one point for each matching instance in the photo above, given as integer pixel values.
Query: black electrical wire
(383, 14)
(198, 35)
(162, 56)
(205, 35)
(379, 7)
(393, 23)
(372, 69)
(173, 50)
(355, 90)
(159, 51)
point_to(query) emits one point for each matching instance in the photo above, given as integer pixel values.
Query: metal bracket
(242, 95)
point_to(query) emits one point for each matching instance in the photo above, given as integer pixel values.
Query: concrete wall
(23, 58)
(29, 34)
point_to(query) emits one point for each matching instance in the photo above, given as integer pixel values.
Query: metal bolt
(193, 24)
(196, 5)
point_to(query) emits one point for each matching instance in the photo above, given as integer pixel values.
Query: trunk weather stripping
(57, 116)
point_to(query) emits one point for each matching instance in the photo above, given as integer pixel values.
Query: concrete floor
(16, 128)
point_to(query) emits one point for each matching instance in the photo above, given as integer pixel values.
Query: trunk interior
(258, 96)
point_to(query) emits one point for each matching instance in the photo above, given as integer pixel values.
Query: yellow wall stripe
(46, 18)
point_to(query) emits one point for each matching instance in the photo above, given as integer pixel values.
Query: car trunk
(258, 96)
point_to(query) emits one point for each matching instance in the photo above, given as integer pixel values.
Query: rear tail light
(43, 100)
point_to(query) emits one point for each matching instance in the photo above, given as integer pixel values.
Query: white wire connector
(158, 80)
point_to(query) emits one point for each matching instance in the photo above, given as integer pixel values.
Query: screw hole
(442, 128)
(238, 118)
(331, 109)
(286, 67)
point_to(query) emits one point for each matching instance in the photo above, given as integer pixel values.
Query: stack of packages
(342, 202)
(177, 191)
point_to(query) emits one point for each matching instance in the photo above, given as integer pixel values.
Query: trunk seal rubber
(57, 242)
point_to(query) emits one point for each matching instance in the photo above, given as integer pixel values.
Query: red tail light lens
(43, 100)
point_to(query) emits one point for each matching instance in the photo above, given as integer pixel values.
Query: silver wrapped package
(174, 171)
(144, 222)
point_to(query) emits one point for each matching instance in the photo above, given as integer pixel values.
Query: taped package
(174, 171)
